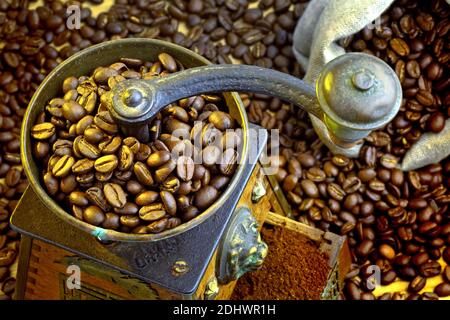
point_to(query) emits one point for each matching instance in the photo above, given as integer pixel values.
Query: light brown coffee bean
(158, 158)
(115, 195)
(85, 148)
(169, 202)
(126, 158)
(130, 221)
(63, 166)
(93, 215)
(106, 164)
(152, 212)
(185, 168)
(163, 172)
(221, 120)
(110, 146)
(73, 111)
(147, 197)
(112, 221)
(228, 162)
(83, 166)
(78, 198)
(142, 173)
(168, 62)
(97, 197)
(43, 131)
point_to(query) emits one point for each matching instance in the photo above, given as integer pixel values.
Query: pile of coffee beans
(413, 39)
(117, 182)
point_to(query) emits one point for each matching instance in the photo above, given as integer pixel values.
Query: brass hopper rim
(91, 58)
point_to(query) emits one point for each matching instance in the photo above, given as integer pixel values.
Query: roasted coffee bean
(115, 195)
(83, 166)
(126, 158)
(85, 148)
(7, 257)
(446, 274)
(152, 212)
(388, 277)
(446, 255)
(387, 251)
(112, 221)
(106, 164)
(205, 197)
(158, 158)
(430, 269)
(93, 215)
(97, 197)
(417, 284)
(43, 131)
(169, 202)
(78, 198)
(158, 226)
(442, 289)
(309, 188)
(221, 120)
(168, 62)
(130, 221)
(110, 146)
(142, 173)
(185, 168)
(335, 191)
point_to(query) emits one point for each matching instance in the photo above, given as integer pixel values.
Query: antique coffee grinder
(202, 258)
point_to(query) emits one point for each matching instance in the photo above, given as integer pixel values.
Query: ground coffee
(294, 269)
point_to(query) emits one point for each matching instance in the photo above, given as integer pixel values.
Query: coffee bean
(185, 168)
(43, 131)
(400, 46)
(446, 255)
(430, 269)
(417, 284)
(93, 215)
(106, 164)
(352, 291)
(446, 274)
(169, 202)
(96, 196)
(387, 251)
(364, 248)
(221, 120)
(115, 195)
(112, 221)
(158, 158)
(205, 197)
(442, 289)
(7, 257)
(388, 277)
(85, 148)
(142, 173)
(168, 62)
(335, 191)
(152, 212)
(436, 122)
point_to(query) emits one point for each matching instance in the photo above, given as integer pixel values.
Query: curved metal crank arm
(240, 78)
(137, 101)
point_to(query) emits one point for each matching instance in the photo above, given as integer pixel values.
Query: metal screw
(363, 80)
(132, 97)
(179, 268)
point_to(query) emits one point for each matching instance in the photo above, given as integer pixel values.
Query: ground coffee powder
(294, 269)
